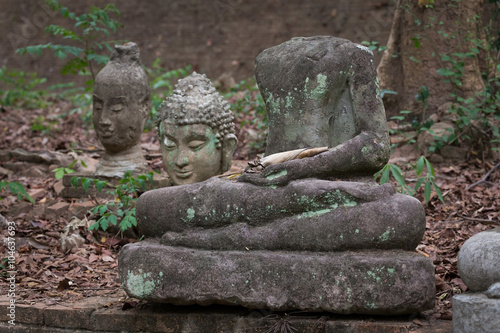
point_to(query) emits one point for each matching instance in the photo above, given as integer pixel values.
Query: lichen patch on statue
(196, 131)
(121, 105)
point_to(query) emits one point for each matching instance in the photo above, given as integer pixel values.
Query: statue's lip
(183, 173)
(107, 134)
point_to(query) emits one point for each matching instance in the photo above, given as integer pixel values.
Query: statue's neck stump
(115, 164)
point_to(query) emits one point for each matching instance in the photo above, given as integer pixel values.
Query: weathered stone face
(117, 118)
(121, 105)
(191, 153)
(196, 131)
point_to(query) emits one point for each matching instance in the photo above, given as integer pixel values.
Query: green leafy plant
(87, 31)
(86, 52)
(374, 46)
(45, 124)
(250, 109)
(402, 115)
(429, 4)
(17, 189)
(82, 103)
(120, 211)
(476, 117)
(162, 82)
(60, 172)
(422, 96)
(409, 127)
(3, 263)
(427, 179)
(21, 89)
(87, 182)
(3, 267)
(440, 140)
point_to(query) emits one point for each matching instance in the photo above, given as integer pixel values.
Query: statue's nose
(105, 121)
(182, 159)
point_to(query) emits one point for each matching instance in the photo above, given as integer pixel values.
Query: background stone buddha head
(196, 131)
(122, 100)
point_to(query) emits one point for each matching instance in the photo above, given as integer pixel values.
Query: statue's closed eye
(196, 144)
(117, 107)
(97, 106)
(169, 144)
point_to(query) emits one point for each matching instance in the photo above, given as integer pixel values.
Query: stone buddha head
(196, 131)
(121, 104)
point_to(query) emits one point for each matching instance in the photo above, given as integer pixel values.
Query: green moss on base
(140, 285)
(277, 175)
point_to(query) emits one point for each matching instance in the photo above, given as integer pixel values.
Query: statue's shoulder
(357, 49)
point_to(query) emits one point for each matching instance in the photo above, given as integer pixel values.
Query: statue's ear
(228, 148)
(145, 104)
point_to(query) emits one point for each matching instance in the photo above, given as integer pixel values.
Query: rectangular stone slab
(475, 313)
(361, 282)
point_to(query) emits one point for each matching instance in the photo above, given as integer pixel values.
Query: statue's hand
(493, 291)
(274, 175)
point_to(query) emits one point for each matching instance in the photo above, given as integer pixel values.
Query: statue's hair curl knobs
(196, 101)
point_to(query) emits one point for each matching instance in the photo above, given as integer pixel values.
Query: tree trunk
(420, 36)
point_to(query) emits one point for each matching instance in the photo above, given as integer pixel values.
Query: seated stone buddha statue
(314, 233)
(319, 92)
(121, 105)
(196, 131)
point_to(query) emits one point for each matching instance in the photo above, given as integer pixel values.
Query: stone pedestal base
(475, 313)
(95, 315)
(69, 191)
(361, 282)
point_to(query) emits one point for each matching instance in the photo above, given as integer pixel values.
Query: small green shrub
(21, 89)
(428, 180)
(60, 172)
(88, 30)
(374, 46)
(422, 96)
(404, 125)
(90, 53)
(161, 82)
(44, 124)
(17, 189)
(121, 210)
(477, 117)
(250, 109)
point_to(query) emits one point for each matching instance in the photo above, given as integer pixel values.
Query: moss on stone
(319, 92)
(190, 214)
(314, 213)
(140, 285)
(277, 175)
